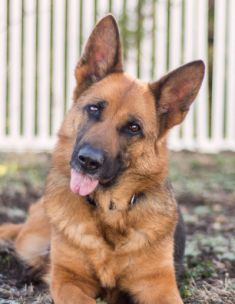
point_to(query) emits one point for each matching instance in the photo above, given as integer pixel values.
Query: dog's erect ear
(102, 54)
(175, 92)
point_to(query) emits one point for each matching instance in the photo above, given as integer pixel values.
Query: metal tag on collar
(133, 200)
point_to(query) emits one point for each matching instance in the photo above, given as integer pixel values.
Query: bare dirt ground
(205, 188)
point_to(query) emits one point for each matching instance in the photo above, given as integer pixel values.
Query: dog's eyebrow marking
(133, 118)
(99, 103)
(102, 104)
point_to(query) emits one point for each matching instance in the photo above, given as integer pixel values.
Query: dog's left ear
(102, 54)
(175, 92)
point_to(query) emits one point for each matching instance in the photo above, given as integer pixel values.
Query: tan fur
(33, 240)
(10, 231)
(97, 250)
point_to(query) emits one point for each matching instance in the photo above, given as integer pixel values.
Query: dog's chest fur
(111, 240)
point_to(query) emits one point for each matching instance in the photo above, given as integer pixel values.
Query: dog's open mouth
(82, 184)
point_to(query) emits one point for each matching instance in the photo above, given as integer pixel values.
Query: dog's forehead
(121, 90)
(125, 98)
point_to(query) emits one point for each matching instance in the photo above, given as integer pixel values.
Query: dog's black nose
(90, 159)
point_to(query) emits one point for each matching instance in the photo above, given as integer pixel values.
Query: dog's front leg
(157, 289)
(171, 297)
(69, 293)
(69, 287)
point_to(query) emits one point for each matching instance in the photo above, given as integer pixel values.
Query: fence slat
(15, 67)
(89, 19)
(218, 72)
(29, 67)
(72, 44)
(58, 63)
(189, 46)
(146, 49)
(202, 51)
(117, 7)
(44, 68)
(161, 50)
(3, 69)
(231, 78)
(131, 26)
(175, 56)
(102, 8)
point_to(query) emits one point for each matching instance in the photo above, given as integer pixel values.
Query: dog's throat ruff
(91, 201)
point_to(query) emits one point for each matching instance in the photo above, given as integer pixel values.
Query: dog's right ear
(102, 54)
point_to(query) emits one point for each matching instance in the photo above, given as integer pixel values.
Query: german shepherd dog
(108, 217)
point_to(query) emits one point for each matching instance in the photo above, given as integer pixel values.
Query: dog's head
(118, 123)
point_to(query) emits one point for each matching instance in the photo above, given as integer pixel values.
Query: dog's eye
(93, 109)
(134, 128)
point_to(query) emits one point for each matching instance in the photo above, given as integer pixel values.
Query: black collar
(134, 199)
(91, 201)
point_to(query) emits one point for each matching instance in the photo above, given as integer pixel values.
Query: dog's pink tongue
(82, 184)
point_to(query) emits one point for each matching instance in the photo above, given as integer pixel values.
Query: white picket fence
(40, 42)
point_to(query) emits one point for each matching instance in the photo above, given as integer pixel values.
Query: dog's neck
(123, 196)
(112, 205)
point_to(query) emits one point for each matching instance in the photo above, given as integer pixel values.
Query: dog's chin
(107, 183)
